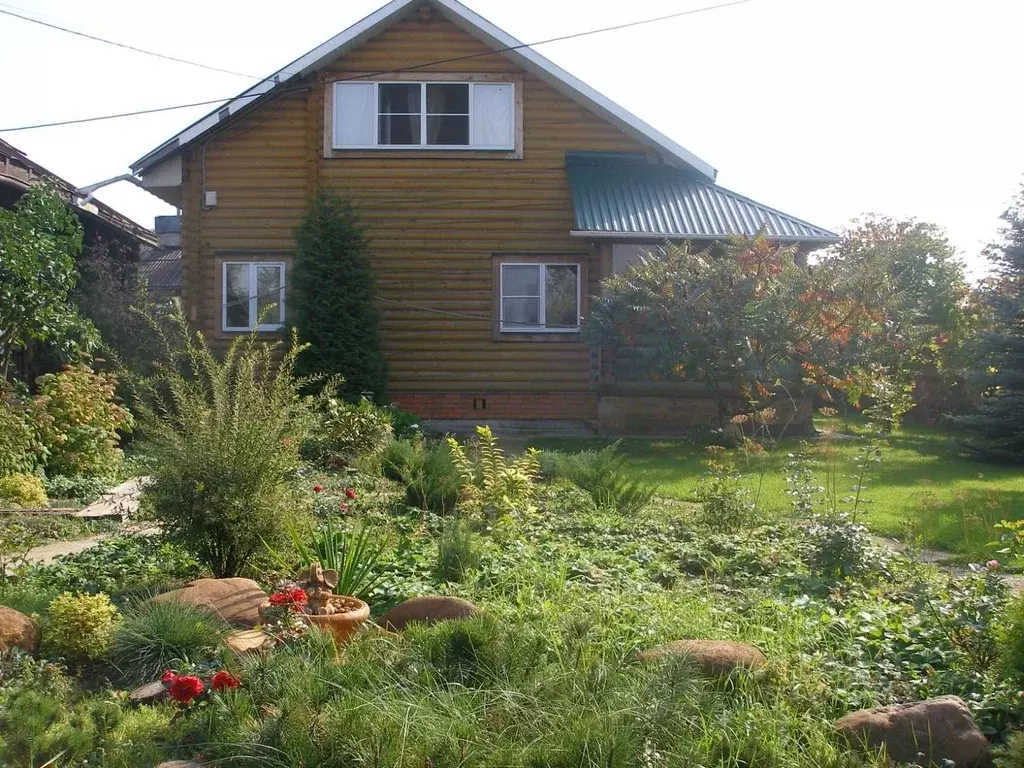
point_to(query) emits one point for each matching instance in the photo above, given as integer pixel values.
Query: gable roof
(469, 22)
(624, 196)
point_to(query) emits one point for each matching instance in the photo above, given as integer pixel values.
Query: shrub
(78, 421)
(605, 475)
(157, 636)
(22, 491)
(842, 550)
(725, 504)
(17, 441)
(427, 472)
(456, 552)
(347, 431)
(356, 556)
(81, 627)
(225, 444)
(492, 484)
(79, 487)
(332, 301)
(404, 424)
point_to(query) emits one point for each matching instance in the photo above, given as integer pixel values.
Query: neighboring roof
(623, 195)
(161, 269)
(469, 22)
(17, 170)
(167, 225)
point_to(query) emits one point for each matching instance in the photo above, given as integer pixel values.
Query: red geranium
(294, 596)
(350, 493)
(168, 676)
(318, 489)
(184, 688)
(223, 681)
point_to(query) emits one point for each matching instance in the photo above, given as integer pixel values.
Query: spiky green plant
(605, 474)
(355, 555)
(492, 484)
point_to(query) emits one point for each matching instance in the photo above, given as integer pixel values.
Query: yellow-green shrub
(22, 491)
(78, 421)
(81, 626)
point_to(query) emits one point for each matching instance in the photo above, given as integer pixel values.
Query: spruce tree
(332, 298)
(997, 424)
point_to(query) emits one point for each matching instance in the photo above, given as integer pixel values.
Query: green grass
(923, 489)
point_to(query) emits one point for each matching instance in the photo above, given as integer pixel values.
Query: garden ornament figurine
(319, 587)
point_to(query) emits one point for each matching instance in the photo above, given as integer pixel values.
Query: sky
(825, 109)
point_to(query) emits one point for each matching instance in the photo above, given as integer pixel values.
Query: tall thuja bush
(224, 434)
(332, 298)
(997, 424)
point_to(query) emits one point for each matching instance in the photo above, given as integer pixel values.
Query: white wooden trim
(469, 22)
(254, 296)
(542, 315)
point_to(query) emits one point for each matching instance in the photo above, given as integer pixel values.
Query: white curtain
(355, 115)
(492, 115)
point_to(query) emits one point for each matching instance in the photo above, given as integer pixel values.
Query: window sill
(552, 336)
(421, 153)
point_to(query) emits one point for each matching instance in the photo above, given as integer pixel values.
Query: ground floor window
(539, 297)
(253, 295)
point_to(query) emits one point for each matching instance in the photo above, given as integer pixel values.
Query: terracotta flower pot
(351, 614)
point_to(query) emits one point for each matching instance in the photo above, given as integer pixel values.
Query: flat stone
(236, 601)
(121, 502)
(920, 733)
(713, 658)
(180, 764)
(427, 609)
(18, 630)
(248, 641)
(150, 693)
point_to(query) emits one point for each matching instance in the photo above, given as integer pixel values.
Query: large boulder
(18, 630)
(237, 601)
(713, 658)
(427, 609)
(921, 733)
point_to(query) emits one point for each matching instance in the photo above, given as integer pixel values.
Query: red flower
(223, 681)
(294, 596)
(343, 507)
(350, 493)
(318, 489)
(168, 677)
(184, 688)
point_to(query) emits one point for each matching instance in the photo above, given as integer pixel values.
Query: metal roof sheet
(625, 195)
(162, 269)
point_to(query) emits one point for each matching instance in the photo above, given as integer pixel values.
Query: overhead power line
(397, 70)
(128, 47)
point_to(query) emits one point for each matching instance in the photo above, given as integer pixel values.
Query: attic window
(424, 115)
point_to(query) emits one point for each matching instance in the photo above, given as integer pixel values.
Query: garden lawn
(922, 490)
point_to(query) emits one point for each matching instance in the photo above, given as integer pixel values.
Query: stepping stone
(246, 641)
(937, 729)
(714, 658)
(427, 609)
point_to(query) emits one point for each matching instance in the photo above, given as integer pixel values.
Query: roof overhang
(646, 237)
(468, 21)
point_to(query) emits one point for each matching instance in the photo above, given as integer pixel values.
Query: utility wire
(410, 68)
(127, 47)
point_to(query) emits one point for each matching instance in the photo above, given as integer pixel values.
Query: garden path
(943, 560)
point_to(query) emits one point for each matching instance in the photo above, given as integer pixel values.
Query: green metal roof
(625, 195)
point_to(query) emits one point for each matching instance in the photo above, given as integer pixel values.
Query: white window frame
(253, 295)
(542, 326)
(423, 117)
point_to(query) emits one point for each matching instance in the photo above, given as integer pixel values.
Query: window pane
(399, 129)
(448, 131)
(560, 296)
(399, 98)
(236, 281)
(448, 99)
(520, 313)
(268, 293)
(520, 280)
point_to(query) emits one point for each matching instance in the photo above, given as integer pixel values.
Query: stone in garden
(713, 658)
(247, 641)
(18, 630)
(150, 693)
(939, 729)
(427, 609)
(180, 764)
(237, 601)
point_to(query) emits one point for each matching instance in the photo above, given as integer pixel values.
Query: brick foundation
(517, 406)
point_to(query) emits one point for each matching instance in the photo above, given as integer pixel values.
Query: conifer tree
(997, 424)
(332, 298)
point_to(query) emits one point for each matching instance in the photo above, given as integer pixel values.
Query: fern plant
(492, 484)
(606, 475)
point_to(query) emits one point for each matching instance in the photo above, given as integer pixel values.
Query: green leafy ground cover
(923, 489)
